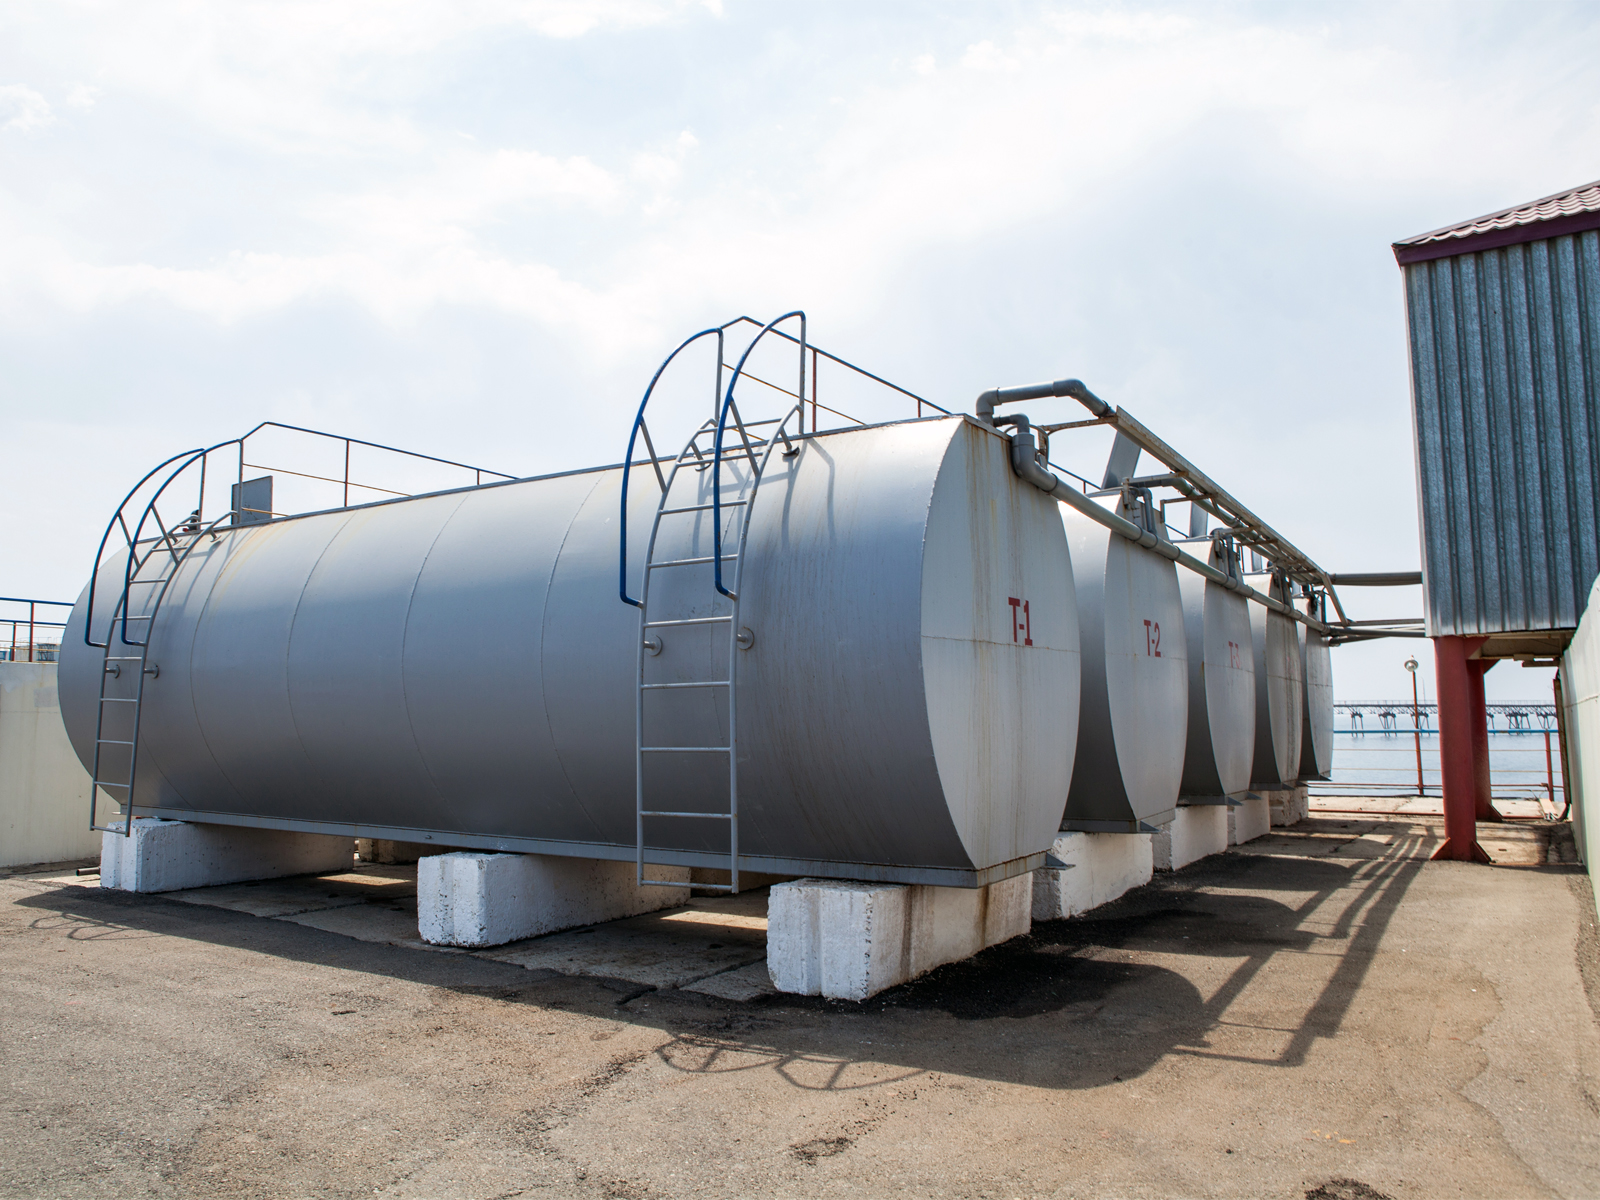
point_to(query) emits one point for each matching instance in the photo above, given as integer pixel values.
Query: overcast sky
(474, 228)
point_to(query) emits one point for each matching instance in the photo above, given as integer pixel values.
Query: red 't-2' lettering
(1233, 655)
(1021, 622)
(1152, 638)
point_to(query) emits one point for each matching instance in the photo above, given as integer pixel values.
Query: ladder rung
(111, 742)
(118, 700)
(713, 887)
(689, 621)
(684, 749)
(704, 816)
(705, 683)
(666, 512)
(124, 658)
(151, 617)
(688, 562)
(677, 883)
(107, 783)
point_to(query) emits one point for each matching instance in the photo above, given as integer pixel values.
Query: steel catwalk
(457, 667)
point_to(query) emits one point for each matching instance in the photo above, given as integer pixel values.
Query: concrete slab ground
(1321, 1012)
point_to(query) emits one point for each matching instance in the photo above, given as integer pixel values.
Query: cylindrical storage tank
(458, 668)
(1280, 700)
(1222, 684)
(1316, 728)
(1134, 708)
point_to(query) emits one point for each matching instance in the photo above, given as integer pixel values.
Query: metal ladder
(684, 498)
(145, 582)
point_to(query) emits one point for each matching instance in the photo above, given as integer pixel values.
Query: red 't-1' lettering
(1021, 621)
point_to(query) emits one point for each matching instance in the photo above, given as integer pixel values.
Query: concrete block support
(1289, 806)
(168, 856)
(1195, 831)
(848, 941)
(1250, 820)
(1094, 869)
(476, 898)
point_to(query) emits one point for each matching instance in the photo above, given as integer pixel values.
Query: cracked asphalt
(1322, 1013)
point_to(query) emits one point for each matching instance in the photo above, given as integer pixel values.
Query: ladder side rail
(639, 650)
(165, 581)
(99, 729)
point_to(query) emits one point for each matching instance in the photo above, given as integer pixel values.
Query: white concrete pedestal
(848, 941)
(1289, 806)
(1250, 820)
(473, 898)
(1095, 868)
(1195, 831)
(168, 856)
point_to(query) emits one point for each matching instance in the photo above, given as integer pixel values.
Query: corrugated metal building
(1504, 314)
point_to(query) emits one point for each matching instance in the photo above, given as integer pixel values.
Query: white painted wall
(1580, 715)
(44, 790)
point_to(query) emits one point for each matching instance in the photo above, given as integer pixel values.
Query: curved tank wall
(1279, 693)
(458, 668)
(1134, 708)
(1316, 727)
(1222, 685)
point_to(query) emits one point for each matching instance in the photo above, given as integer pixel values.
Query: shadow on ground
(1076, 1004)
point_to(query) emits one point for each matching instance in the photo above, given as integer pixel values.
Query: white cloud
(23, 109)
(1043, 119)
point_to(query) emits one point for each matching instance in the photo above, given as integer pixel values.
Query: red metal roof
(1572, 211)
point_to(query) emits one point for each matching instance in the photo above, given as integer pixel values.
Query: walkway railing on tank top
(754, 445)
(31, 638)
(157, 530)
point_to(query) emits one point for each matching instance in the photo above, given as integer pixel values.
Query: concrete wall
(1580, 715)
(44, 790)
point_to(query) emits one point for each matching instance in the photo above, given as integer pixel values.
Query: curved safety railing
(804, 396)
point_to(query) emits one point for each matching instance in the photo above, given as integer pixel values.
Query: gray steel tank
(1134, 705)
(458, 668)
(1316, 729)
(1280, 697)
(1222, 684)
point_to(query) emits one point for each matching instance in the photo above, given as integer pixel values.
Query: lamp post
(1416, 722)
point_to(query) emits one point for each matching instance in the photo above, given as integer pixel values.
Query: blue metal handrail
(633, 437)
(720, 401)
(722, 420)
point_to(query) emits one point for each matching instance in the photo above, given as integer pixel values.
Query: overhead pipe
(1026, 466)
(1378, 579)
(1074, 388)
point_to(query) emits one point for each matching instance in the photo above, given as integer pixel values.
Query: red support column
(1483, 800)
(1461, 713)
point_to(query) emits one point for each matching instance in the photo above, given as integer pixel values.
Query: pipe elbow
(1076, 390)
(1025, 462)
